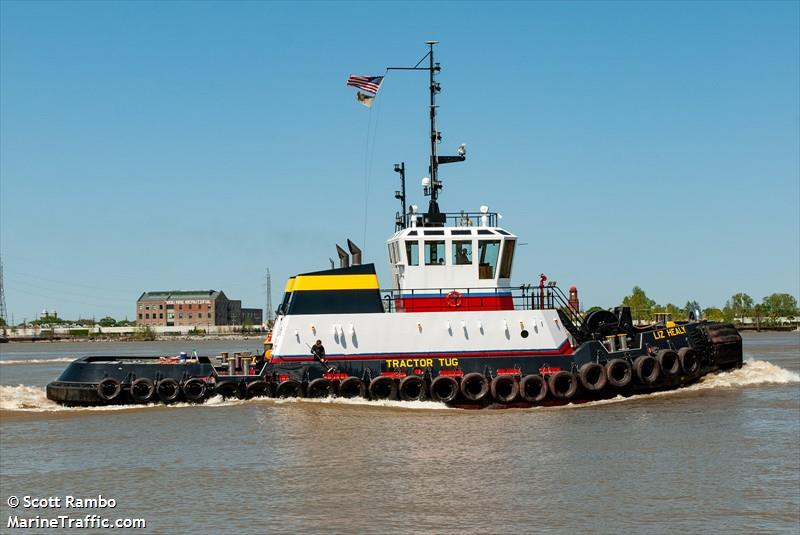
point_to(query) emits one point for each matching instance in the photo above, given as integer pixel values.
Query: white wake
(754, 372)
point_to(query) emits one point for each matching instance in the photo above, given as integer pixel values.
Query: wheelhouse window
(434, 252)
(507, 260)
(462, 252)
(412, 253)
(487, 258)
(392, 259)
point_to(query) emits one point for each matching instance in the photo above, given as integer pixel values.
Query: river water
(720, 456)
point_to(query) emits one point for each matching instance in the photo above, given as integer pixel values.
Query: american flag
(367, 83)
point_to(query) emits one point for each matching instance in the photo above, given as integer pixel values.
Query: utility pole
(269, 319)
(3, 316)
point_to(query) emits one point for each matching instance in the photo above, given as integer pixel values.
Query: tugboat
(451, 329)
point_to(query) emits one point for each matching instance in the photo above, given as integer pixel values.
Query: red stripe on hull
(564, 350)
(463, 303)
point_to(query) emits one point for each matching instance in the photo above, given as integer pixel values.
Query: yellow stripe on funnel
(335, 282)
(289, 285)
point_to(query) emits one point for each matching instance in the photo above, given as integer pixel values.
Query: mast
(431, 185)
(435, 136)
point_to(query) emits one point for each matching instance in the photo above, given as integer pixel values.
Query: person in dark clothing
(318, 351)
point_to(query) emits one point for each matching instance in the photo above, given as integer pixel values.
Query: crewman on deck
(318, 351)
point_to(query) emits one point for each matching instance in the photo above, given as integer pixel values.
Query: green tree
(691, 306)
(713, 314)
(758, 315)
(592, 309)
(641, 306)
(674, 311)
(247, 325)
(777, 306)
(108, 321)
(740, 305)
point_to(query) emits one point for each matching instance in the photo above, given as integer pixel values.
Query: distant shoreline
(45, 339)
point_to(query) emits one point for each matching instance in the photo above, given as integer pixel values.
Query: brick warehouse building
(201, 307)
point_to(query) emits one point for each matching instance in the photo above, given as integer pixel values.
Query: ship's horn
(344, 259)
(355, 251)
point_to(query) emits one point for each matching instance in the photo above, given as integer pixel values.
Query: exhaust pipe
(344, 260)
(355, 251)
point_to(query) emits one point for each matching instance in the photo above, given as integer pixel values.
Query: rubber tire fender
(647, 369)
(504, 388)
(533, 388)
(108, 389)
(352, 387)
(168, 390)
(593, 377)
(229, 389)
(555, 384)
(444, 389)
(257, 389)
(468, 383)
(195, 389)
(689, 361)
(669, 362)
(412, 388)
(142, 382)
(619, 373)
(378, 388)
(289, 389)
(320, 388)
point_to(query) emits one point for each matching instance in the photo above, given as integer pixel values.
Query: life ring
(454, 299)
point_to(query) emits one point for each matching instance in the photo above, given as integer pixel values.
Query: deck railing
(526, 297)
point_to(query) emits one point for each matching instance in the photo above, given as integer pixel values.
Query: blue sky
(151, 146)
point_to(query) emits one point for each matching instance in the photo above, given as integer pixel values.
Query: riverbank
(157, 338)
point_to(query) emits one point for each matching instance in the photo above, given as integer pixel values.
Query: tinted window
(462, 252)
(487, 258)
(508, 258)
(434, 252)
(412, 252)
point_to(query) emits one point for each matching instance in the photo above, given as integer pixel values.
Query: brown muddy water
(721, 456)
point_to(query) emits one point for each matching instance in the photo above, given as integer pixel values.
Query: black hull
(475, 381)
